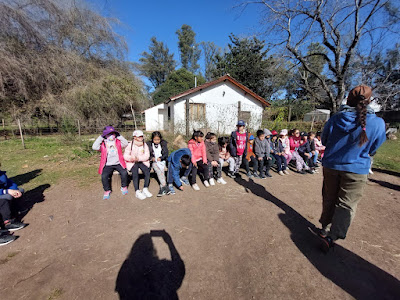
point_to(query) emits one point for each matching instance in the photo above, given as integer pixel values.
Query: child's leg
(135, 176)
(254, 160)
(283, 162)
(221, 163)
(160, 174)
(124, 175)
(194, 174)
(219, 170)
(278, 162)
(232, 164)
(261, 165)
(246, 165)
(204, 169)
(288, 158)
(210, 170)
(315, 157)
(238, 161)
(5, 212)
(146, 172)
(106, 176)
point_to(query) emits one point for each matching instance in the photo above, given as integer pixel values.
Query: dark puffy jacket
(212, 150)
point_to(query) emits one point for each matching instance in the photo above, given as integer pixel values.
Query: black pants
(5, 211)
(308, 160)
(107, 174)
(280, 162)
(204, 169)
(135, 175)
(254, 160)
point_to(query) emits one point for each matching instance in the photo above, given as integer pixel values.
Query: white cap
(137, 133)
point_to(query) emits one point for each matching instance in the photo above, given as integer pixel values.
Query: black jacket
(164, 149)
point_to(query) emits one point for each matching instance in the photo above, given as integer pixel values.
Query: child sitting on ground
(110, 145)
(238, 146)
(262, 150)
(137, 156)
(9, 192)
(277, 152)
(179, 159)
(158, 157)
(199, 158)
(251, 157)
(212, 157)
(225, 156)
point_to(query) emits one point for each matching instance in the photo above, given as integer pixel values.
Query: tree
(246, 60)
(157, 64)
(210, 51)
(340, 26)
(190, 52)
(177, 82)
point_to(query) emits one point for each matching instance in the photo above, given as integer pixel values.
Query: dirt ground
(244, 240)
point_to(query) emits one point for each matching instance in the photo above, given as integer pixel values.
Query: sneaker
(162, 191)
(262, 176)
(281, 173)
(221, 181)
(326, 243)
(212, 181)
(184, 180)
(370, 172)
(206, 184)
(124, 190)
(106, 195)
(13, 226)
(5, 239)
(249, 174)
(268, 174)
(147, 193)
(311, 171)
(231, 175)
(255, 175)
(140, 195)
(171, 190)
(195, 187)
(286, 172)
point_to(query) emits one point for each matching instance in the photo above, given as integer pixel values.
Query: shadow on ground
(144, 276)
(353, 274)
(386, 184)
(26, 177)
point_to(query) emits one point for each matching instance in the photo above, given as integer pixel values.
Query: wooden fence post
(79, 128)
(133, 114)
(4, 129)
(20, 132)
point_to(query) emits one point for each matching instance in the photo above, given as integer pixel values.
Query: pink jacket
(198, 151)
(287, 143)
(103, 158)
(318, 145)
(140, 154)
(294, 143)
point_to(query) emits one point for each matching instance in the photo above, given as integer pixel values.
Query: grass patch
(55, 294)
(8, 257)
(388, 156)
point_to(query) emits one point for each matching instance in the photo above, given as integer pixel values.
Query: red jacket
(198, 151)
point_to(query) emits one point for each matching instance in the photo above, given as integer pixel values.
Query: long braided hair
(360, 97)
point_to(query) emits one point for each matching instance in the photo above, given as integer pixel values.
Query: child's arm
(191, 148)
(164, 152)
(97, 143)
(128, 154)
(204, 153)
(175, 176)
(146, 154)
(123, 140)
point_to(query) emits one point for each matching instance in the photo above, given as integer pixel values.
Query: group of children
(205, 155)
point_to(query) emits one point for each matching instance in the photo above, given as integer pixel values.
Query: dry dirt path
(244, 240)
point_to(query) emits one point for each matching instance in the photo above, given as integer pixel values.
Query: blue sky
(211, 21)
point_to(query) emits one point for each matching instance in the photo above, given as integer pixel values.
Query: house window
(197, 111)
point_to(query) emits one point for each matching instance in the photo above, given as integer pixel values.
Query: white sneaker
(206, 184)
(370, 172)
(280, 173)
(195, 187)
(211, 181)
(147, 193)
(286, 172)
(140, 195)
(221, 181)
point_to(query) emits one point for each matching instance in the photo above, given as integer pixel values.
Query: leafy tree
(189, 49)
(246, 60)
(157, 64)
(177, 82)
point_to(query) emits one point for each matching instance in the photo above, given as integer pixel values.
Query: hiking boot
(124, 190)
(106, 195)
(171, 190)
(206, 184)
(212, 181)
(281, 173)
(13, 226)
(139, 194)
(184, 180)
(147, 193)
(221, 180)
(195, 187)
(231, 175)
(5, 239)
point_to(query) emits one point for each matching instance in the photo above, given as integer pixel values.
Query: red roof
(216, 81)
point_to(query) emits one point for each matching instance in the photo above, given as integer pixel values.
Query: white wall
(154, 117)
(221, 109)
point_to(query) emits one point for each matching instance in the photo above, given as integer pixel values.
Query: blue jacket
(174, 164)
(341, 137)
(6, 183)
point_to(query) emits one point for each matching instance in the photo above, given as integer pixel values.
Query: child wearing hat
(251, 157)
(137, 156)
(238, 146)
(110, 145)
(284, 140)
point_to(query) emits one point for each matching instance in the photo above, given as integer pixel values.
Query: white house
(214, 106)
(317, 115)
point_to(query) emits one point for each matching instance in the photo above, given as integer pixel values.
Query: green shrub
(302, 126)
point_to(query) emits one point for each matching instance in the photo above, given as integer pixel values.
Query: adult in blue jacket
(350, 137)
(176, 161)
